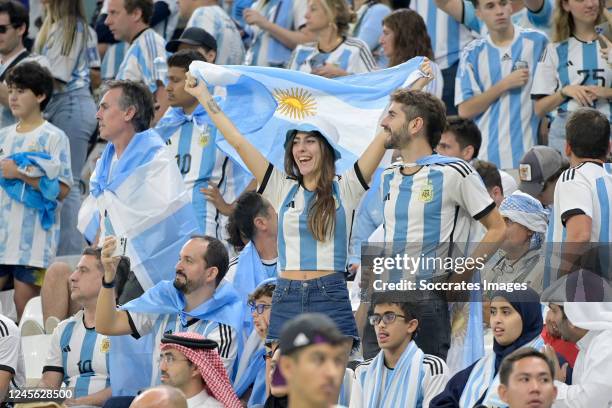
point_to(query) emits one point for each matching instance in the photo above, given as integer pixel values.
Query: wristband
(108, 285)
(563, 95)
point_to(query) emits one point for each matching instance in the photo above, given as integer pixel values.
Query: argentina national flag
(145, 201)
(354, 104)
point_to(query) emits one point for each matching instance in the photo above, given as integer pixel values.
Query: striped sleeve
(357, 388)
(54, 356)
(9, 348)
(435, 378)
(546, 78)
(542, 18)
(275, 186)
(225, 337)
(363, 60)
(469, 191)
(231, 270)
(574, 195)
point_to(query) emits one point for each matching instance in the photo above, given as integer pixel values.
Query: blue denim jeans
(75, 113)
(328, 295)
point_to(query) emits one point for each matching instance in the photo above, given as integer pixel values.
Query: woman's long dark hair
(322, 212)
(410, 36)
(240, 226)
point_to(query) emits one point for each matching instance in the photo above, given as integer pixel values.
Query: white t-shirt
(573, 62)
(224, 335)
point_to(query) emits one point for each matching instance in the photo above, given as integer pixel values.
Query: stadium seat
(33, 312)
(35, 349)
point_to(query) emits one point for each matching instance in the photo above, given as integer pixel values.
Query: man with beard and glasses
(196, 301)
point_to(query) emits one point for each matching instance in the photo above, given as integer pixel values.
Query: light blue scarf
(43, 199)
(140, 151)
(403, 384)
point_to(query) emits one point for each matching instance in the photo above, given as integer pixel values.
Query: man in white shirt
(12, 367)
(191, 363)
(589, 325)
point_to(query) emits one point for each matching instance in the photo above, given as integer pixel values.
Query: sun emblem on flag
(295, 102)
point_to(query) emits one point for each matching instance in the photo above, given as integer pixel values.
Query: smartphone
(121, 245)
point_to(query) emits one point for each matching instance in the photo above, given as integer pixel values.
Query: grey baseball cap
(536, 166)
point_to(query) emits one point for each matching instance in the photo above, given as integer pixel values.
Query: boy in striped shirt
(410, 377)
(30, 192)
(494, 81)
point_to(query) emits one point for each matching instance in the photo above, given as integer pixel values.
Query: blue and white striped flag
(145, 201)
(354, 103)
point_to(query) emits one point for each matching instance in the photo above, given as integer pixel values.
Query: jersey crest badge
(427, 193)
(204, 138)
(105, 345)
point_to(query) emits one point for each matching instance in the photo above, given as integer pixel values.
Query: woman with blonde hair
(572, 72)
(69, 44)
(333, 54)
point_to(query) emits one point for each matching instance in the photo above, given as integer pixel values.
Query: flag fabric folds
(354, 104)
(43, 199)
(144, 201)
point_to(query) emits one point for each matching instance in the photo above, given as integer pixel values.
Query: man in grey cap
(313, 360)
(198, 39)
(539, 170)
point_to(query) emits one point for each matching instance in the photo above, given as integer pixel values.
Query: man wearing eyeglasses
(191, 363)
(400, 367)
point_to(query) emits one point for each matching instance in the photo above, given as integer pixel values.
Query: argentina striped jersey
(509, 125)
(81, 355)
